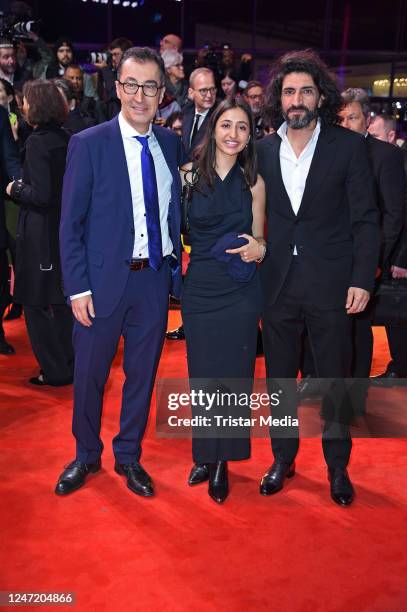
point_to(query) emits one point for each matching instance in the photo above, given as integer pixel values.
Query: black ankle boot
(218, 481)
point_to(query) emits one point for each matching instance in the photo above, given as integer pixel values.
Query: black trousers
(329, 334)
(50, 332)
(397, 338)
(5, 297)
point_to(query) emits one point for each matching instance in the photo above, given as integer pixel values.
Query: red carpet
(296, 551)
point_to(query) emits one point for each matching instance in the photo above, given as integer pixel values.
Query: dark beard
(297, 122)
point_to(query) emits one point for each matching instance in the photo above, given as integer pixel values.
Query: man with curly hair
(323, 246)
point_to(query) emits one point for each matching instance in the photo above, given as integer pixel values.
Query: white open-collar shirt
(294, 170)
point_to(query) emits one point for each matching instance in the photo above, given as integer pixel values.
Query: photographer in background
(221, 59)
(9, 69)
(108, 77)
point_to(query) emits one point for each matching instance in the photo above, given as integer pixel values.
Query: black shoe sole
(341, 504)
(197, 482)
(61, 494)
(218, 500)
(37, 382)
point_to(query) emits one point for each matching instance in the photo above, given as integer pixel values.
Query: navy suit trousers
(141, 318)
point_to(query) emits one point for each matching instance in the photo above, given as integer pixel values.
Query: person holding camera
(108, 76)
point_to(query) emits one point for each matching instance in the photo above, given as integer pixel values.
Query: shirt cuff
(79, 295)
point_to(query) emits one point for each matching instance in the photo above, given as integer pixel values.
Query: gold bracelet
(263, 255)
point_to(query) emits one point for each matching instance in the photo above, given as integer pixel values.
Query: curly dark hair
(309, 62)
(206, 152)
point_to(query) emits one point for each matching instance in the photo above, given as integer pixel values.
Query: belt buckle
(137, 265)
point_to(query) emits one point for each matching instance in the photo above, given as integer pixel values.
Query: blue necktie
(155, 251)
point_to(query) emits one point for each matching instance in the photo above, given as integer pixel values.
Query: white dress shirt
(132, 150)
(201, 116)
(294, 170)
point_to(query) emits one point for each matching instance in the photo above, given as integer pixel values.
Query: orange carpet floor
(179, 551)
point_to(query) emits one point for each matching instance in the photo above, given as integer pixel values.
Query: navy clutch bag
(236, 267)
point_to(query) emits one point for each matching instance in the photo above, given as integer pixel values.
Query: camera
(97, 57)
(18, 25)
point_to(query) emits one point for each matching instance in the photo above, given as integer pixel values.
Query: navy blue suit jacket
(9, 168)
(97, 226)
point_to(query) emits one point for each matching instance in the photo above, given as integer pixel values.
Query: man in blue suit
(120, 250)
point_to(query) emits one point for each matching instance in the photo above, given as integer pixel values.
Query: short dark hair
(74, 66)
(142, 55)
(120, 43)
(252, 84)
(46, 104)
(66, 87)
(356, 94)
(171, 119)
(309, 62)
(206, 153)
(229, 72)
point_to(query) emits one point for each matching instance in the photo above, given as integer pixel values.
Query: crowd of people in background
(192, 93)
(223, 119)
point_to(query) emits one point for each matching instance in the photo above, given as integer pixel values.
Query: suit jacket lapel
(120, 169)
(170, 159)
(172, 163)
(324, 157)
(187, 121)
(276, 176)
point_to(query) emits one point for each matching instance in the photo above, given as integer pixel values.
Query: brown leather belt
(139, 264)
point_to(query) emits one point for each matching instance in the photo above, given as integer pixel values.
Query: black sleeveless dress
(220, 316)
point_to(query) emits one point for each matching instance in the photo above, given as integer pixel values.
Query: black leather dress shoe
(218, 481)
(386, 379)
(40, 381)
(74, 476)
(308, 388)
(273, 479)
(138, 480)
(342, 491)
(6, 348)
(176, 334)
(199, 473)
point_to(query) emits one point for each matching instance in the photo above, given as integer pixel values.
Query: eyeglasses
(254, 96)
(207, 90)
(149, 89)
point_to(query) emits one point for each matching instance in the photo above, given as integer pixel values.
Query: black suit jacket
(188, 114)
(336, 231)
(400, 254)
(9, 168)
(388, 171)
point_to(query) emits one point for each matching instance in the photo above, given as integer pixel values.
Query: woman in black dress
(38, 282)
(221, 308)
